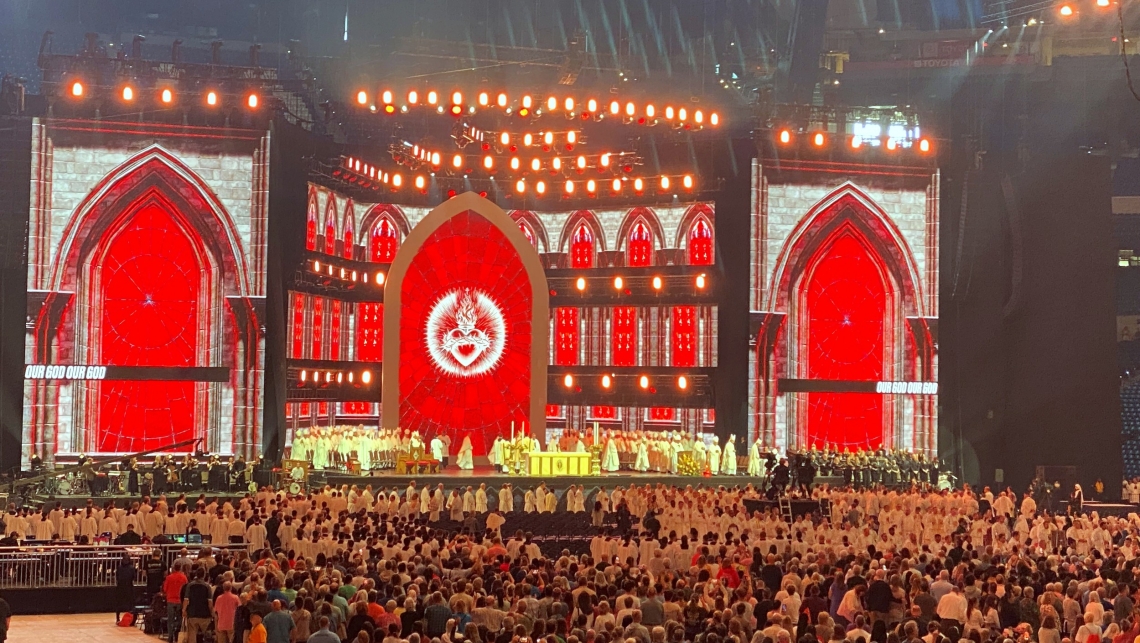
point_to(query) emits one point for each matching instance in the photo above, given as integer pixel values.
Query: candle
(512, 430)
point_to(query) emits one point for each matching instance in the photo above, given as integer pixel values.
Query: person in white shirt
(951, 609)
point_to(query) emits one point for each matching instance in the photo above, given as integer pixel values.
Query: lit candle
(512, 430)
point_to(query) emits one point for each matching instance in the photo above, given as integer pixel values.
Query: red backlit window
(701, 244)
(330, 228)
(370, 332)
(553, 411)
(318, 326)
(385, 241)
(311, 226)
(348, 235)
(684, 341)
(323, 409)
(566, 342)
(582, 248)
(624, 334)
(306, 410)
(640, 252)
(604, 412)
(334, 336)
(298, 330)
(660, 414)
(357, 408)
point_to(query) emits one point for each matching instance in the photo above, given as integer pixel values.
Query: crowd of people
(667, 564)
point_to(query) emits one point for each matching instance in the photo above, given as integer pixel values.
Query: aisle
(89, 628)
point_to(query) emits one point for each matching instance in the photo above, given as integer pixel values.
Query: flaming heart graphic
(465, 333)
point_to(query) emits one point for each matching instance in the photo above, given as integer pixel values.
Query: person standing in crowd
(125, 575)
(197, 606)
(172, 588)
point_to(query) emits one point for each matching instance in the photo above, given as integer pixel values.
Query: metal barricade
(35, 567)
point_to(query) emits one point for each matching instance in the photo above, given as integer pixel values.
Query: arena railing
(83, 566)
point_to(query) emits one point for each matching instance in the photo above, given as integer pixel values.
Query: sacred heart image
(465, 333)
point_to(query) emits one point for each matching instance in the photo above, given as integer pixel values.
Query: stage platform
(454, 477)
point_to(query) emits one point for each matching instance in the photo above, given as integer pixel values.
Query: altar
(558, 464)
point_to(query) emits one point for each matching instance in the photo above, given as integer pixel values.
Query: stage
(453, 477)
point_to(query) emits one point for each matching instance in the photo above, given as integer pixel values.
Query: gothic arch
(649, 217)
(689, 219)
(846, 205)
(535, 225)
(348, 229)
(384, 210)
(329, 223)
(153, 169)
(584, 217)
(539, 313)
(312, 218)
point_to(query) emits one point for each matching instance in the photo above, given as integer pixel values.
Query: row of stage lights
(607, 381)
(369, 176)
(700, 282)
(820, 139)
(414, 156)
(323, 378)
(1069, 9)
(79, 91)
(527, 106)
(347, 275)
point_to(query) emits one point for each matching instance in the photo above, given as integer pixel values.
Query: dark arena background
(304, 233)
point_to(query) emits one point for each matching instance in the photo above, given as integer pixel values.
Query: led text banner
(92, 372)
(789, 385)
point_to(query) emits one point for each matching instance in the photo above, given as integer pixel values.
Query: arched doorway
(846, 296)
(149, 278)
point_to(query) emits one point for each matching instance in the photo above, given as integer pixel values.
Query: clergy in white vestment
(466, 458)
(728, 462)
(714, 456)
(506, 498)
(642, 462)
(494, 455)
(610, 461)
(481, 499)
(755, 459)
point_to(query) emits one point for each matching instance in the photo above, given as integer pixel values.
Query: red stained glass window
(334, 334)
(150, 282)
(846, 307)
(661, 414)
(311, 226)
(330, 229)
(348, 239)
(701, 243)
(640, 251)
(553, 411)
(357, 408)
(306, 410)
(684, 341)
(298, 329)
(370, 332)
(566, 337)
(604, 412)
(318, 327)
(465, 333)
(323, 409)
(582, 247)
(624, 336)
(385, 241)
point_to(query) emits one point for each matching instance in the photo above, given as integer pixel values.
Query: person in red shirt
(728, 574)
(375, 609)
(172, 588)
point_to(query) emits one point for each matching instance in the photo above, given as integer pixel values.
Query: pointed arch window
(311, 226)
(385, 241)
(701, 243)
(582, 247)
(528, 233)
(639, 252)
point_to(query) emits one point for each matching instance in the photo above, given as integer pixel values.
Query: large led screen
(146, 280)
